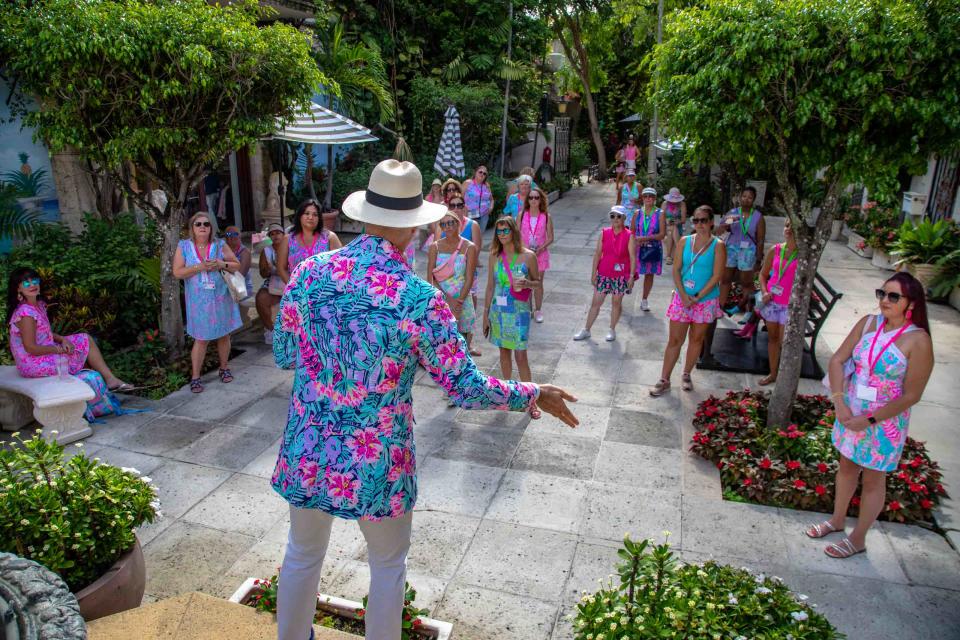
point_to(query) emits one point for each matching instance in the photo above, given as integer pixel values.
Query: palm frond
(482, 61)
(457, 69)
(14, 221)
(28, 185)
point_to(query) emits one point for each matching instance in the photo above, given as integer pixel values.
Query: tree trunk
(810, 243)
(328, 198)
(595, 134)
(171, 313)
(308, 149)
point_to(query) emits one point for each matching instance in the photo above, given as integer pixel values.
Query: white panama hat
(394, 198)
(674, 195)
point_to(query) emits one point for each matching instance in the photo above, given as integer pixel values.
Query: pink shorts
(703, 312)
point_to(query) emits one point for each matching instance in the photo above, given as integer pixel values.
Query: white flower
(130, 470)
(763, 591)
(24, 522)
(799, 616)
(78, 445)
(732, 599)
(802, 598)
(147, 479)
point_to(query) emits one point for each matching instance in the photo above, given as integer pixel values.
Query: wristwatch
(871, 419)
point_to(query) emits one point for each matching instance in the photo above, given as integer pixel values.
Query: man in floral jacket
(354, 324)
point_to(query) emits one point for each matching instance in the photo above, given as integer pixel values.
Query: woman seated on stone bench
(34, 344)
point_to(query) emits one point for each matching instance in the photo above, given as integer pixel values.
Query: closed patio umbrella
(450, 153)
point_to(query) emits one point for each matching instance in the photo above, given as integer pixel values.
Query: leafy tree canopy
(862, 87)
(168, 85)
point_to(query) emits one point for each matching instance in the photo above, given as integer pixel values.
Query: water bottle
(63, 368)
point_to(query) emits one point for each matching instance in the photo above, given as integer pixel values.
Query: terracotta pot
(925, 273)
(119, 589)
(330, 220)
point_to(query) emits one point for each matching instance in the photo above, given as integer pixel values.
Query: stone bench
(57, 404)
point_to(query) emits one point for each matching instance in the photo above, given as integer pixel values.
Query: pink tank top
(781, 282)
(614, 254)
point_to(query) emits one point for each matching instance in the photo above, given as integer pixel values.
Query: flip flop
(123, 387)
(763, 382)
(843, 550)
(825, 528)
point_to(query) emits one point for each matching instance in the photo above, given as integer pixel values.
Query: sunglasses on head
(503, 231)
(448, 223)
(30, 282)
(892, 296)
(456, 205)
(231, 234)
(201, 223)
(700, 220)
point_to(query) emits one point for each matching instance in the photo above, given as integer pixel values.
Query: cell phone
(486, 332)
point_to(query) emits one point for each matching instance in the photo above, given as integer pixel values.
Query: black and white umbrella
(450, 153)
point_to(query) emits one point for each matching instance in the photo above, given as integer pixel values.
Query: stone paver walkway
(515, 517)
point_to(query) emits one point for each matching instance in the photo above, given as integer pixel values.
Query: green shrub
(77, 517)
(656, 596)
(925, 243)
(580, 157)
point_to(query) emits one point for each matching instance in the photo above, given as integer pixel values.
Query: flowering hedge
(656, 596)
(795, 467)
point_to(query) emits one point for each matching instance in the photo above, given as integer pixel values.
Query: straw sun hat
(393, 198)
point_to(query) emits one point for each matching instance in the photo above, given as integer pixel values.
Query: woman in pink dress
(536, 231)
(307, 238)
(891, 358)
(37, 350)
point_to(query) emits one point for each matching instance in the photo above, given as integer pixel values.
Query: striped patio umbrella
(450, 154)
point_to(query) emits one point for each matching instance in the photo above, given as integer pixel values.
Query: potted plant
(882, 222)
(77, 517)
(947, 282)
(345, 615)
(859, 229)
(920, 247)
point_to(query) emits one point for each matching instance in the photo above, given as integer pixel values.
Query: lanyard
(204, 276)
(871, 360)
(646, 222)
(316, 239)
(698, 254)
(506, 278)
(535, 231)
(783, 266)
(745, 227)
(632, 193)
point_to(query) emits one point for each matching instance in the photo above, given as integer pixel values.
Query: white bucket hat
(674, 195)
(394, 198)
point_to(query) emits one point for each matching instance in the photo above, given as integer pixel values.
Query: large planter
(119, 589)
(349, 225)
(882, 260)
(836, 230)
(332, 605)
(330, 220)
(925, 273)
(954, 298)
(858, 244)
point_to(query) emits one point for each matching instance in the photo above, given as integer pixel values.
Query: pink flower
(384, 286)
(365, 444)
(391, 375)
(450, 355)
(289, 316)
(342, 267)
(401, 459)
(308, 472)
(397, 504)
(341, 487)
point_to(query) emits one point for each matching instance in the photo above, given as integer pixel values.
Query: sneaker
(538, 316)
(583, 335)
(644, 305)
(611, 336)
(268, 337)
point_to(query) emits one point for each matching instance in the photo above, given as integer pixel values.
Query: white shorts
(631, 164)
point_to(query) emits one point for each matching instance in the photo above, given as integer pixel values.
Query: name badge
(745, 244)
(501, 301)
(865, 392)
(618, 267)
(689, 284)
(776, 289)
(209, 284)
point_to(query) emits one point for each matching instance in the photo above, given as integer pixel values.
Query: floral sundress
(453, 286)
(30, 366)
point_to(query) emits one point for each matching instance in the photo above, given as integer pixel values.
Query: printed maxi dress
(30, 366)
(878, 446)
(354, 325)
(297, 252)
(453, 287)
(211, 312)
(509, 317)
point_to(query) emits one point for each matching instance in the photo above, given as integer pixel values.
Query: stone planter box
(119, 589)
(858, 244)
(553, 196)
(348, 225)
(954, 298)
(882, 260)
(332, 605)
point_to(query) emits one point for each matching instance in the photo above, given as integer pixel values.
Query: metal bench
(57, 404)
(730, 353)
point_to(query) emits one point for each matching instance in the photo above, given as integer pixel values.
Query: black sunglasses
(892, 296)
(449, 223)
(456, 205)
(532, 197)
(201, 223)
(700, 220)
(617, 215)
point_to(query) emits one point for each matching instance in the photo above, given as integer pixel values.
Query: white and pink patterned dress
(30, 366)
(878, 446)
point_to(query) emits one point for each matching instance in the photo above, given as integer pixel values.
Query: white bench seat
(57, 404)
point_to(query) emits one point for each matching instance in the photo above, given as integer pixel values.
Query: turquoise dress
(211, 312)
(509, 317)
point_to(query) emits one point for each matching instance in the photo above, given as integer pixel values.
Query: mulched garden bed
(795, 466)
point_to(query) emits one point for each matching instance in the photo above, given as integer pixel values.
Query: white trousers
(387, 544)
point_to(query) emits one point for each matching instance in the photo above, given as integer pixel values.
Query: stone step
(194, 616)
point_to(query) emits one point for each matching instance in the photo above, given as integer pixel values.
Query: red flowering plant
(795, 466)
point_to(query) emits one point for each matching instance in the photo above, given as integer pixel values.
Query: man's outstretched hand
(554, 400)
